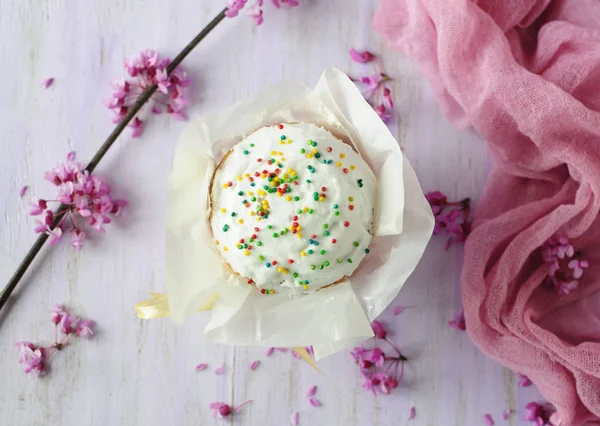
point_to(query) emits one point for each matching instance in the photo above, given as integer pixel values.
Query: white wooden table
(142, 372)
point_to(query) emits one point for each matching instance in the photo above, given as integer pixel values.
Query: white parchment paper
(333, 318)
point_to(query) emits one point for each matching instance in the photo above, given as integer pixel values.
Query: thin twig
(137, 106)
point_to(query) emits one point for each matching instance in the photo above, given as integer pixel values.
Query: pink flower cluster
(256, 10)
(146, 69)
(538, 413)
(88, 198)
(565, 267)
(374, 89)
(35, 358)
(379, 371)
(450, 217)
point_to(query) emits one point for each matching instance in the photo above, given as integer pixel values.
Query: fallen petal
(311, 392)
(201, 367)
(294, 419)
(488, 420)
(506, 414)
(23, 190)
(397, 310)
(269, 351)
(314, 402)
(47, 82)
(219, 371)
(254, 365)
(412, 413)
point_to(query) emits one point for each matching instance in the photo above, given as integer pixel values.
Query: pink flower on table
(148, 68)
(58, 313)
(67, 323)
(361, 57)
(488, 420)
(201, 367)
(84, 329)
(54, 235)
(383, 113)
(436, 198)
(538, 413)
(222, 410)
(450, 217)
(379, 329)
(380, 381)
(397, 310)
(234, 7)
(254, 365)
(31, 357)
(458, 323)
(77, 238)
(412, 413)
(47, 82)
(256, 13)
(564, 263)
(38, 207)
(289, 3)
(294, 419)
(366, 358)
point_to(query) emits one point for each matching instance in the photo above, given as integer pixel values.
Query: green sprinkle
(356, 244)
(329, 161)
(325, 226)
(275, 235)
(268, 265)
(282, 137)
(233, 214)
(318, 155)
(367, 251)
(321, 266)
(309, 142)
(269, 226)
(305, 281)
(313, 267)
(251, 239)
(349, 260)
(296, 198)
(259, 243)
(246, 152)
(252, 184)
(314, 143)
(327, 263)
(245, 246)
(269, 179)
(295, 275)
(241, 193)
(261, 257)
(244, 201)
(310, 251)
(288, 189)
(265, 186)
(339, 260)
(299, 210)
(310, 211)
(316, 196)
(322, 252)
(326, 233)
(251, 145)
(279, 165)
(302, 150)
(272, 160)
(308, 181)
(337, 213)
(253, 199)
(335, 206)
(324, 161)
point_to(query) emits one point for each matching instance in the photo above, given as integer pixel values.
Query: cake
(292, 208)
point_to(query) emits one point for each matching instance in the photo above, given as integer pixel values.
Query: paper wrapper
(332, 318)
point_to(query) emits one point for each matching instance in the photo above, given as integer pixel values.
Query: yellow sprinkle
(342, 155)
(315, 150)
(305, 287)
(350, 199)
(303, 253)
(305, 209)
(285, 176)
(273, 183)
(279, 194)
(224, 185)
(299, 235)
(321, 199)
(281, 142)
(250, 193)
(339, 164)
(263, 175)
(298, 228)
(309, 155)
(238, 245)
(282, 159)
(286, 271)
(289, 141)
(288, 197)
(241, 221)
(273, 153)
(280, 153)
(258, 218)
(280, 269)
(291, 171)
(239, 178)
(247, 175)
(246, 252)
(225, 248)
(217, 242)
(352, 166)
(223, 210)
(252, 213)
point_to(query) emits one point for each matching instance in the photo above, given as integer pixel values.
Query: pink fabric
(526, 75)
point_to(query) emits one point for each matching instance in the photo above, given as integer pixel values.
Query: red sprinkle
(323, 195)
(295, 182)
(329, 149)
(334, 241)
(351, 207)
(346, 224)
(294, 231)
(229, 184)
(290, 260)
(323, 189)
(249, 247)
(259, 160)
(265, 172)
(280, 126)
(256, 174)
(261, 213)
(241, 241)
(250, 281)
(295, 224)
(254, 236)
(295, 218)
(345, 170)
(256, 229)
(313, 236)
(274, 262)
(262, 290)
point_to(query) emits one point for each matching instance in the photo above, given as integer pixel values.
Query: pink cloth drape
(526, 75)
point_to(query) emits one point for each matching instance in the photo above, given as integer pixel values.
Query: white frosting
(342, 233)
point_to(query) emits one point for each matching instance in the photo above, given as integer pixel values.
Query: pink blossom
(201, 367)
(87, 198)
(380, 381)
(47, 82)
(254, 365)
(366, 358)
(294, 419)
(361, 57)
(256, 13)
(488, 420)
(269, 351)
(222, 410)
(450, 217)
(436, 198)
(458, 323)
(31, 357)
(383, 113)
(538, 413)
(311, 391)
(565, 267)
(314, 402)
(379, 329)
(387, 98)
(221, 370)
(506, 414)
(578, 266)
(412, 413)
(58, 313)
(84, 329)
(23, 190)
(67, 323)
(524, 381)
(148, 68)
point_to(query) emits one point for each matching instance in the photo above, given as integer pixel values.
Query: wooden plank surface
(142, 372)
